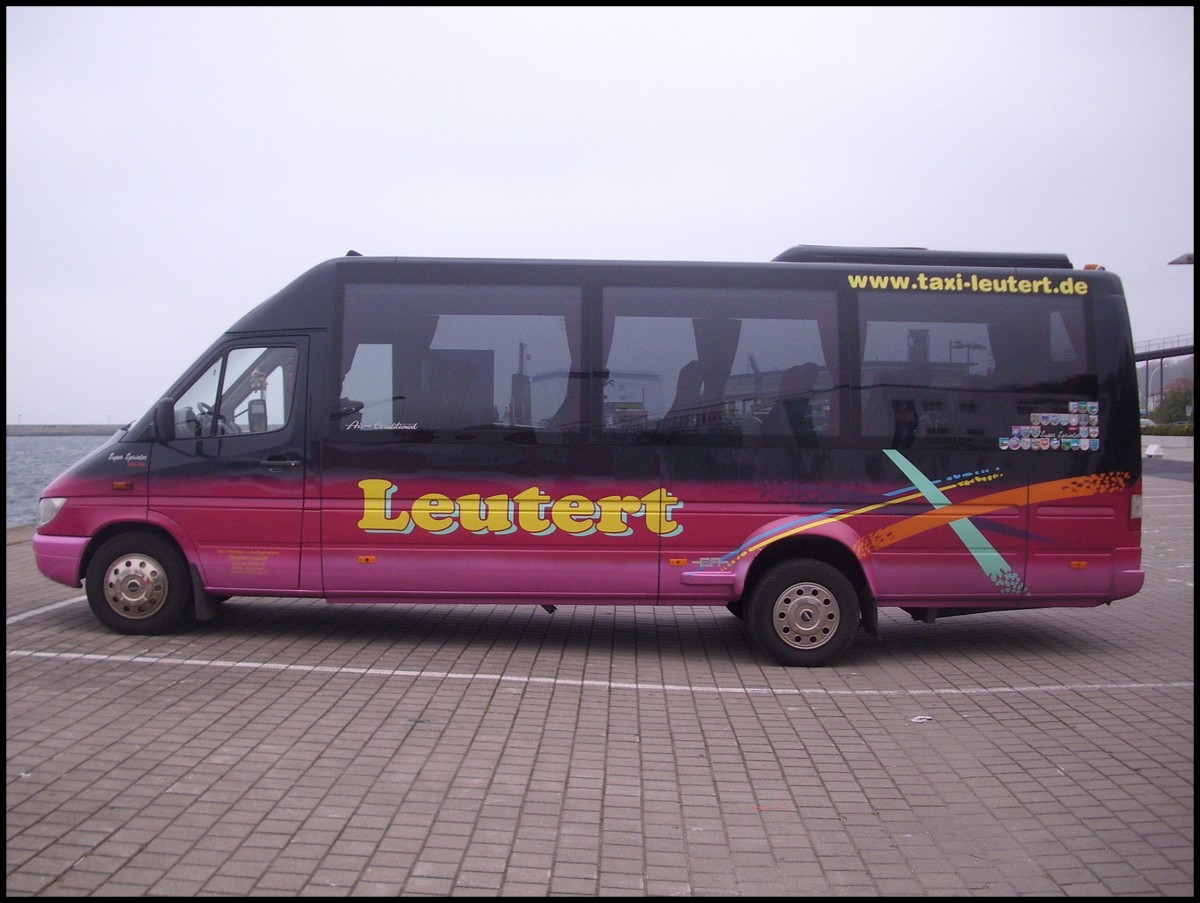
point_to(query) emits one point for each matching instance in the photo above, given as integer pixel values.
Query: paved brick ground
(294, 748)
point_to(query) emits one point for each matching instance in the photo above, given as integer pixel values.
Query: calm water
(33, 461)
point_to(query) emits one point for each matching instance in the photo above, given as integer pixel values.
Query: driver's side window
(249, 390)
(195, 405)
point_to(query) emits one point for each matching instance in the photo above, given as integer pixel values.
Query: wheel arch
(138, 580)
(821, 548)
(110, 531)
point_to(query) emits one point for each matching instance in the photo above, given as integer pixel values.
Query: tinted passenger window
(955, 367)
(443, 360)
(699, 363)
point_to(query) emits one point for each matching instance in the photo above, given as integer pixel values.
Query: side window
(789, 377)
(710, 363)
(195, 405)
(964, 367)
(925, 377)
(458, 362)
(247, 390)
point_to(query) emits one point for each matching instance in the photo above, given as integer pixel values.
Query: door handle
(278, 463)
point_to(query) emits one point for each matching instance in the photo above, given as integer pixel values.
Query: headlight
(48, 510)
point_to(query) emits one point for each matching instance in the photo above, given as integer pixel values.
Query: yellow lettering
(613, 509)
(659, 506)
(377, 503)
(490, 515)
(1072, 286)
(531, 511)
(435, 512)
(574, 514)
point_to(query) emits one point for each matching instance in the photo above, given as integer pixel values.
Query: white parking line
(588, 684)
(43, 609)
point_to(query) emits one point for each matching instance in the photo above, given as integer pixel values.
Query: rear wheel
(803, 613)
(138, 583)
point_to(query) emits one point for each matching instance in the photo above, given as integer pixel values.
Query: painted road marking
(584, 684)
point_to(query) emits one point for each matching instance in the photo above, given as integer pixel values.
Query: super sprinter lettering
(532, 511)
(1010, 285)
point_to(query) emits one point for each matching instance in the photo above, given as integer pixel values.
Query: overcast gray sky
(168, 168)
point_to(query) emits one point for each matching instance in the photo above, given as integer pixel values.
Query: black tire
(803, 613)
(138, 583)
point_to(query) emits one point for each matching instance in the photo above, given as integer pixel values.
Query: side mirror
(164, 420)
(256, 409)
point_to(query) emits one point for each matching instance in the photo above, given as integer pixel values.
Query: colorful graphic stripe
(945, 513)
(1006, 579)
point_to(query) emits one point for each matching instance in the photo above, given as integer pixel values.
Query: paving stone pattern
(294, 748)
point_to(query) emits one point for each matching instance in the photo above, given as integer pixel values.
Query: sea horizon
(61, 429)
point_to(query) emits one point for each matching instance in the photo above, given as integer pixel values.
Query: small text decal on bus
(531, 511)
(1007, 285)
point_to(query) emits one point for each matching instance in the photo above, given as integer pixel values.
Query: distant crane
(758, 381)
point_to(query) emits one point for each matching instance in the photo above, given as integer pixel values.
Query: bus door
(231, 481)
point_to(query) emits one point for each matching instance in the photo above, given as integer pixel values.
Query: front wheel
(138, 583)
(803, 613)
